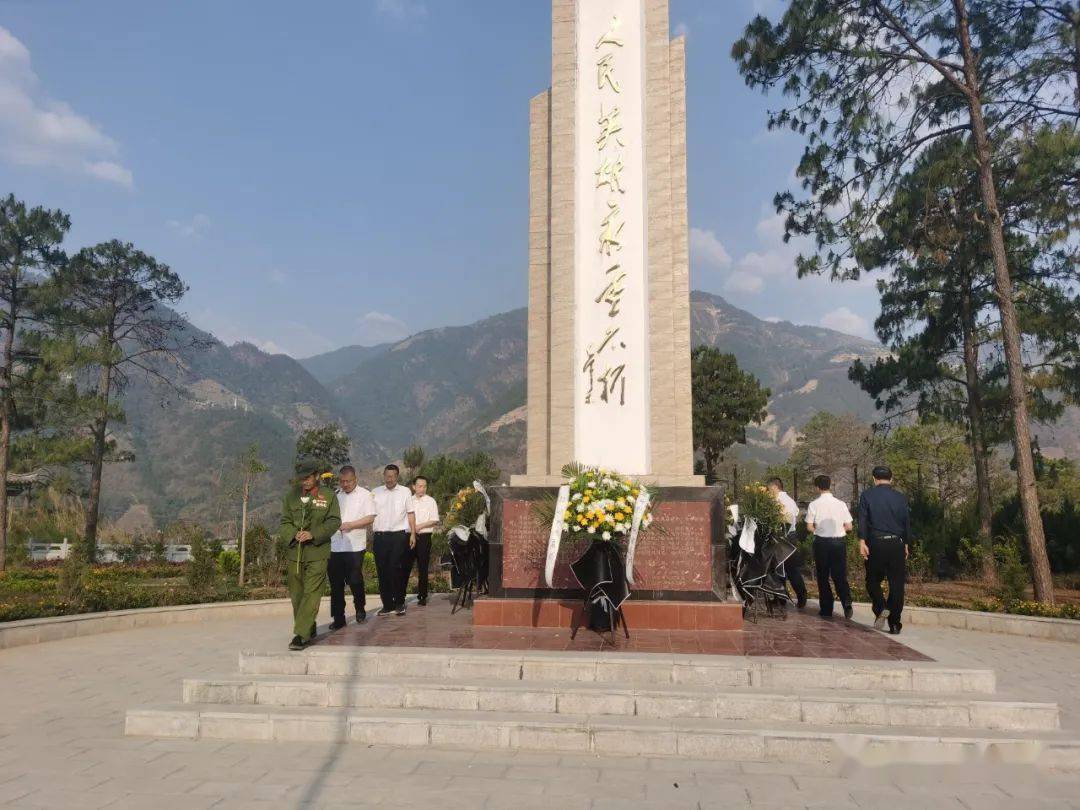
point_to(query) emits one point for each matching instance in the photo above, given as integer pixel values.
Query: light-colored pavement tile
(62, 744)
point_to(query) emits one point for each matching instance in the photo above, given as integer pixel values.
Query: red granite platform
(801, 635)
(643, 615)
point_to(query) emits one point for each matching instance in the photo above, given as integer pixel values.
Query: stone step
(659, 702)
(624, 669)
(636, 736)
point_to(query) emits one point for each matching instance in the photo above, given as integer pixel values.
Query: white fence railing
(174, 552)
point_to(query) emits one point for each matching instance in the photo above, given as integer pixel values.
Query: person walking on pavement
(309, 518)
(885, 543)
(793, 565)
(426, 515)
(348, 546)
(395, 533)
(829, 520)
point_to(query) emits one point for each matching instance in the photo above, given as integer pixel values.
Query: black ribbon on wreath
(602, 575)
(468, 553)
(759, 577)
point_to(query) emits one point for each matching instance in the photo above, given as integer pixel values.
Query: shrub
(71, 584)
(202, 570)
(228, 563)
(1027, 608)
(265, 557)
(1013, 575)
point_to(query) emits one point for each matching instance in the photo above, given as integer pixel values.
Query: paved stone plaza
(62, 743)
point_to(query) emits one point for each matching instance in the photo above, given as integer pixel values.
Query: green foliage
(1013, 576)
(413, 458)
(466, 507)
(931, 457)
(228, 564)
(327, 443)
(725, 400)
(757, 502)
(266, 557)
(74, 575)
(834, 444)
(202, 570)
(447, 475)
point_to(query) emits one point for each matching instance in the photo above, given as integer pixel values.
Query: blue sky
(352, 171)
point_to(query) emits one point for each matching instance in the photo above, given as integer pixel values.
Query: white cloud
(36, 130)
(771, 228)
(387, 325)
(268, 346)
(705, 247)
(844, 320)
(402, 10)
(742, 282)
(192, 229)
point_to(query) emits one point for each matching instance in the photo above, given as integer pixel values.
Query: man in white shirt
(829, 520)
(426, 516)
(395, 532)
(793, 565)
(347, 548)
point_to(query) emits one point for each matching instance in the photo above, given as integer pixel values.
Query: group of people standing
(884, 531)
(327, 535)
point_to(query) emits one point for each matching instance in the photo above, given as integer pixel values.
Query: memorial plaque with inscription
(682, 556)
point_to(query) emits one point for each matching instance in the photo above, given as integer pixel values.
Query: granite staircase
(699, 707)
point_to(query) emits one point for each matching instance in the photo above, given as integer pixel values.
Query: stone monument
(609, 286)
(609, 322)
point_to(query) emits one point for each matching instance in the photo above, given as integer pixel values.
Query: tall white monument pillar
(609, 308)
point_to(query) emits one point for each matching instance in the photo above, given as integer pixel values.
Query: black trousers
(830, 559)
(346, 568)
(421, 556)
(793, 568)
(390, 549)
(886, 561)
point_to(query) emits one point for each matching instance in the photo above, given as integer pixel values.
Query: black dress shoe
(801, 603)
(849, 611)
(337, 624)
(361, 617)
(297, 643)
(825, 615)
(421, 602)
(894, 629)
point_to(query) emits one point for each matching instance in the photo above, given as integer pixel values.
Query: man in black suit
(884, 542)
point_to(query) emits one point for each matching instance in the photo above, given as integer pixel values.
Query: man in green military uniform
(309, 517)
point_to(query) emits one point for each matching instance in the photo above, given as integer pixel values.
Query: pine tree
(29, 246)
(872, 83)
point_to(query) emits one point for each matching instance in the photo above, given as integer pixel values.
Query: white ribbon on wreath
(481, 522)
(631, 545)
(555, 536)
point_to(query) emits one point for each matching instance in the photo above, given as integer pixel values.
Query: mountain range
(452, 389)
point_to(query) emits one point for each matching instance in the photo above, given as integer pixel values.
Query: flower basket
(759, 551)
(609, 510)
